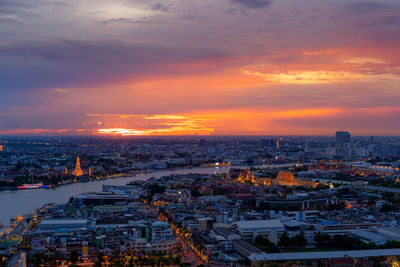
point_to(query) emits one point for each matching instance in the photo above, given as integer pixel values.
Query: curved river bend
(18, 202)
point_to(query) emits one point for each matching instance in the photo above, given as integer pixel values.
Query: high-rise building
(268, 142)
(343, 146)
(342, 137)
(1, 148)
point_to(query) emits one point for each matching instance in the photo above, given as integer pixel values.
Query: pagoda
(78, 170)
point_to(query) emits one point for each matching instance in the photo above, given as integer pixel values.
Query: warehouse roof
(325, 255)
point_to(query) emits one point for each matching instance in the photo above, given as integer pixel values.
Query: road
(187, 250)
(188, 254)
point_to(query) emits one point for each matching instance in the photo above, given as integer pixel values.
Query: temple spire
(78, 170)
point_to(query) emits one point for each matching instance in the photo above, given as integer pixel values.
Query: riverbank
(67, 182)
(138, 173)
(18, 202)
(103, 178)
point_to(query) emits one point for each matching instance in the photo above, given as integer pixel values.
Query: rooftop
(326, 255)
(64, 221)
(224, 231)
(247, 246)
(259, 224)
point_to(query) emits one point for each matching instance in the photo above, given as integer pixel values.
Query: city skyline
(231, 67)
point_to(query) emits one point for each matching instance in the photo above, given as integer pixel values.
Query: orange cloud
(310, 77)
(241, 121)
(246, 121)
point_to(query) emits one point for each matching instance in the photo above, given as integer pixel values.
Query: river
(19, 202)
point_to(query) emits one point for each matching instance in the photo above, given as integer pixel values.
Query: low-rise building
(249, 230)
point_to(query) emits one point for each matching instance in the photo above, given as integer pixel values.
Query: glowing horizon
(180, 67)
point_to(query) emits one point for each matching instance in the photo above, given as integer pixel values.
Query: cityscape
(209, 201)
(204, 133)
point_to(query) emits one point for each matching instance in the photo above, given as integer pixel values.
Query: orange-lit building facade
(283, 179)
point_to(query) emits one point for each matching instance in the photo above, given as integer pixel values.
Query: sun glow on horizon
(205, 123)
(176, 130)
(229, 122)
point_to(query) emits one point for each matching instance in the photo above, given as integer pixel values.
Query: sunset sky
(219, 67)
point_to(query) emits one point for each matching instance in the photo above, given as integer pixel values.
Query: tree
(299, 240)
(392, 244)
(74, 256)
(219, 191)
(284, 241)
(387, 195)
(296, 241)
(388, 208)
(371, 201)
(322, 240)
(177, 260)
(342, 242)
(155, 188)
(195, 193)
(266, 245)
(117, 263)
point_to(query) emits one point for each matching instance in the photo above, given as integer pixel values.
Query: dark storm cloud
(253, 3)
(58, 63)
(16, 8)
(9, 21)
(26, 8)
(29, 120)
(390, 22)
(159, 7)
(380, 20)
(97, 52)
(13, 5)
(366, 6)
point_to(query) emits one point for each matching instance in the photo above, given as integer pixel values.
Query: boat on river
(32, 186)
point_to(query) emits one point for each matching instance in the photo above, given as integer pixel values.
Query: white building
(160, 229)
(249, 230)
